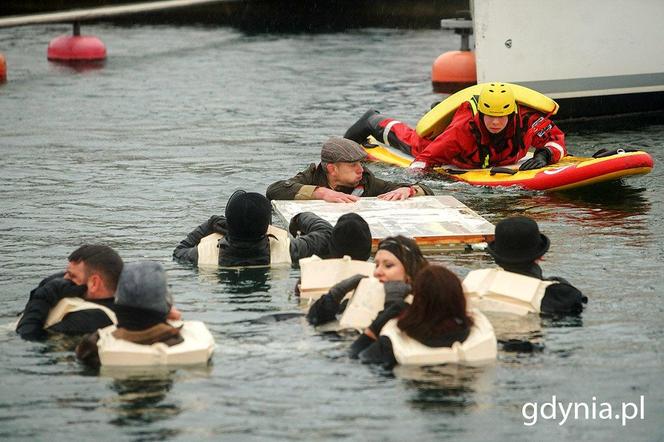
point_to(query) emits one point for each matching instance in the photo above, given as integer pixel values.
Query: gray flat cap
(341, 150)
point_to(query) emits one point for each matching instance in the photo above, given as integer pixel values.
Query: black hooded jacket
(313, 239)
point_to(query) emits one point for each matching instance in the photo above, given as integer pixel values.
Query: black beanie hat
(351, 236)
(248, 215)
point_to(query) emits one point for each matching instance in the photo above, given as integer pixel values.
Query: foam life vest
(480, 345)
(208, 250)
(496, 290)
(72, 304)
(319, 275)
(366, 302)
(197, 348)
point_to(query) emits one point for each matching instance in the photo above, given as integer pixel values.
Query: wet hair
(439, 305)
(407, 252)
(100, 259)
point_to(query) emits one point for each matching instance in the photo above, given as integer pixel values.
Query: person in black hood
(248, 239)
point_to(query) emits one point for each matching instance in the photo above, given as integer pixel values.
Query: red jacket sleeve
(542, 133)
(454, 145)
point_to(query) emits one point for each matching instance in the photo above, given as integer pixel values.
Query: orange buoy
(76, 47)
(3, 69)
(453, 71)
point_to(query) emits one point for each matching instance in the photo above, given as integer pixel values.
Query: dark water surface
(138, 153)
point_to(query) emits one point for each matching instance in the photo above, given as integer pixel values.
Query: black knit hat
(518, 241)
(351, 236)
(248, 215)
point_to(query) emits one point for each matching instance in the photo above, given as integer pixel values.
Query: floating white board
(431, 220)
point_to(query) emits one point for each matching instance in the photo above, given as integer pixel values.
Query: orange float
(453, 71)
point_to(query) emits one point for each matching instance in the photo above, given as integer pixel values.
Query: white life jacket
(479, 346)
(319, 275)
(496, 290)
(208, 249)
(196, 348)
(365, 303)
(72, 304)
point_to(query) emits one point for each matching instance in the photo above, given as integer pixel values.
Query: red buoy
(453, 71)
(3, 69)
(76, 47)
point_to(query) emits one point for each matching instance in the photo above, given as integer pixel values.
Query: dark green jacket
(302, 185)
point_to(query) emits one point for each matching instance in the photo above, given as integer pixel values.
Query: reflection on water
(449, 389)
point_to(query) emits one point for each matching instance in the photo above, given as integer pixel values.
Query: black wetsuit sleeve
(390, 312)
(380, 352)
(311, 236)
(324, 310)
(42, 300)
(187, 250)
(326, 307)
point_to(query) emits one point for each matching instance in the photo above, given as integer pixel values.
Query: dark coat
(314, 237)
(302, 185)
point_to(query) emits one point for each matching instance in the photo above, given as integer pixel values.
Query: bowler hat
(341, 150)
(518, 241)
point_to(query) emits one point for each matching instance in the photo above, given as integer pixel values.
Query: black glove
(339, 290)
(540, 159)
(56, 289)
(218, 224)
(395, 291)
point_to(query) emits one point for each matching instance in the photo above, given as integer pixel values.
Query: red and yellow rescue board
(569, 173)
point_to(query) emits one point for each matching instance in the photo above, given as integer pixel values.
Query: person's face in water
(388, 267)
(495, 124)
(347, 174)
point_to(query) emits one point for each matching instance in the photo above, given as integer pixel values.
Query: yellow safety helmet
(496, 100)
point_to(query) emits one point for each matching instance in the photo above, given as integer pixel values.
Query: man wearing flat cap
(340, 178)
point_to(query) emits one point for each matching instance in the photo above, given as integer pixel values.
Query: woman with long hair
(436, 318)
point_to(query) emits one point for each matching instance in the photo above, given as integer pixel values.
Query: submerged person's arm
(371, 333)
(379, 352)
